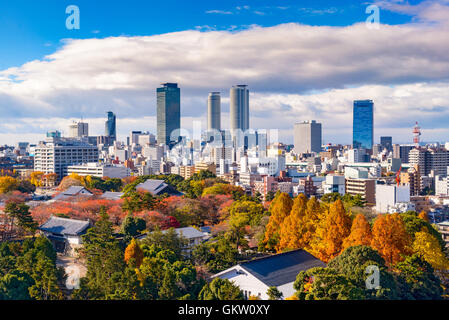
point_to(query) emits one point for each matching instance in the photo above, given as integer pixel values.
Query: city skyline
(118, 75)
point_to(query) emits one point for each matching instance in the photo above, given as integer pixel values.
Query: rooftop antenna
(416, 134)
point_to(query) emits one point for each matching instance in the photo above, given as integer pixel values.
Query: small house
(65, 234)
(72, 193)
(157, 187)
(280, 270)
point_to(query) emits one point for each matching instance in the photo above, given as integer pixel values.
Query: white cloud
(218, 12)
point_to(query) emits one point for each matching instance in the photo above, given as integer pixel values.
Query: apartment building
(56, 154)
(363, 187)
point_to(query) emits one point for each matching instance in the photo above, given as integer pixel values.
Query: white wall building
(393, 198)
(100, 170)
(56, 154)
(333, 184)
(280, 270)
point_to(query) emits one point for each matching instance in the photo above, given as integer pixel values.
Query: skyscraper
(110, 129)
(307, 137)
(214, 111)
(363, 124)
(78, 129)
(168, 112)
(239, 107)
(386, 143)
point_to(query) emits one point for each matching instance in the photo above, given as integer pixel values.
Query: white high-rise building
(78, 129)
(55, 155)
(307, 137)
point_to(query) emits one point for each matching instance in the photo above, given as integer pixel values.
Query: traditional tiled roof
(111, 195)
(64, 226)
(157, 187)
(72, 192)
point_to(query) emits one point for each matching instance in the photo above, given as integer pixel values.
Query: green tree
(331, 197)
(414, 224)
(167, 240)
(326, 284)
(220, 289)
(273, 293)
(132, 226)
(242, 215)
(216, 254)
(21, 213)
(104, 259)
(353, 263)
(420, 278)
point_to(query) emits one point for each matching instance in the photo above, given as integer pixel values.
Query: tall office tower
(168, 112)
(239, 107)
(214, 111)
(110, 129)
(363, 124)
(386, 143)
(78, 129)
(402, 152)
(307, 137)
(134, 137)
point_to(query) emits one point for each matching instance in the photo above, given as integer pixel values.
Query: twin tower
(169, 111)
(239, 109)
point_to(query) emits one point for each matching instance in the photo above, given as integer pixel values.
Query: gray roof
(65, 226)
(154, 187)
(72, 192)
(187, 232)
(112, 195)
(280, 269)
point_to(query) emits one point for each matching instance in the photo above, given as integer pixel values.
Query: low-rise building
(256, 276)
(334, 183)
(99, 170)
(363, 187)
(393, 198)
(73, 193)
(199, 166)
(443, 228)
(65, 234)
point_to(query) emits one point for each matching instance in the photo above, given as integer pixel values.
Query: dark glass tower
(110, 129)
(386, 143)
(363, 124)
(168, 113)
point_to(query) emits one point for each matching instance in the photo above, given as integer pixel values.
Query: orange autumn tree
(298, 228)
(291, 235)
(314, 214)
(424, 216)
(279, 209)
(390, 238)
(133, 250)
(360, 233)
(331, 232)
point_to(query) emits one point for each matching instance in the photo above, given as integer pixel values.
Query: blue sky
(33, 29)
(302, 60)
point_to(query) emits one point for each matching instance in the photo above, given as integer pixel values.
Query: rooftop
(280, 269)
(64, 226)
